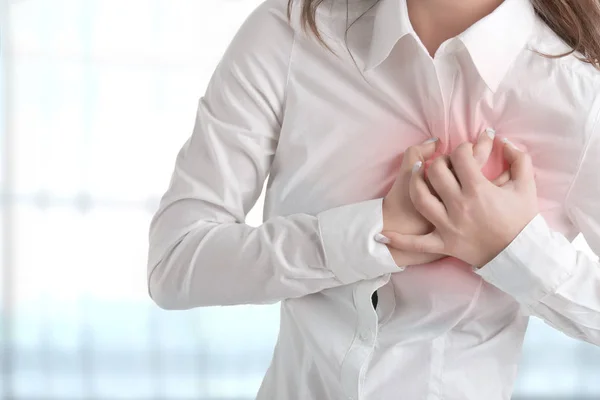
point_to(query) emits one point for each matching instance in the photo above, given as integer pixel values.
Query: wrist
(388, 213)
(498, 246)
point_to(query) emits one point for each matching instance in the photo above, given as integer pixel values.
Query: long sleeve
(544, 271)
(201, 252)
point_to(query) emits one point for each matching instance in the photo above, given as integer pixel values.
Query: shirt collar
(493, 42)
(390, 25)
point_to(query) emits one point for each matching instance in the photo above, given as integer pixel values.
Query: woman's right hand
(399, 213)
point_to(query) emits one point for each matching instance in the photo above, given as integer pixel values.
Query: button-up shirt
(327, 128)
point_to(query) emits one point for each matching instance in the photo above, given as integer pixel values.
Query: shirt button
(364, 335)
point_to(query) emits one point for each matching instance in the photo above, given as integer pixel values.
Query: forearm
(553, 280)
(228, 262)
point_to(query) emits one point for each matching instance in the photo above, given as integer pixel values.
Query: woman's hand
(399, 213)
(474, 218)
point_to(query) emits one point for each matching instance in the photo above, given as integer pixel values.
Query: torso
(389, 118)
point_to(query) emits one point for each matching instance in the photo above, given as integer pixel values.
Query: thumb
(429, 243)
(521, 168)
(420, 152)
(502, 179)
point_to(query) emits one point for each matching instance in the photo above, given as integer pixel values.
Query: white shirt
(330, 133)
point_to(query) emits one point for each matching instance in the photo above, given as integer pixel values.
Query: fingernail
(505, 140)
(417, 166)
(491, 133)
(431, 140)
(382, 239)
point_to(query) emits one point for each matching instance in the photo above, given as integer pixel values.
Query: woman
(429, 162)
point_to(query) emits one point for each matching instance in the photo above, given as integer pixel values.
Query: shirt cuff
(351, 252)
(533, 265)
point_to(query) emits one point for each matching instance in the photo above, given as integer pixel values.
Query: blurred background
(96, 98)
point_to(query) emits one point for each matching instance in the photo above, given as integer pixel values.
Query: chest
(360, 124)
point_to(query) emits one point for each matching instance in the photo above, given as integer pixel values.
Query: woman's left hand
(475, 219)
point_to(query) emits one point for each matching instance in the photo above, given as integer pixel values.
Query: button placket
(361, 349)
(365, 336)
(445, 72)
(387, 302)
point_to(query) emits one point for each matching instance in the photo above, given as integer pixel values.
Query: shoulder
(266, 31)
(576, 82)
(259, 54)
(545, 41)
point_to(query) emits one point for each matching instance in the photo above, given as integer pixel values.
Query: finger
(466, 167)
(521, 167)
(443, 180)
(483, 147)
(415, 258)
(431, 189)
(419, 152)
(430, 243)
(502, 179)
(424, 201)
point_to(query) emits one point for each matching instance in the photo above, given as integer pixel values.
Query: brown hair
(576, 22)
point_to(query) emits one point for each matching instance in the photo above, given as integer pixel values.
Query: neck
(435, 21)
